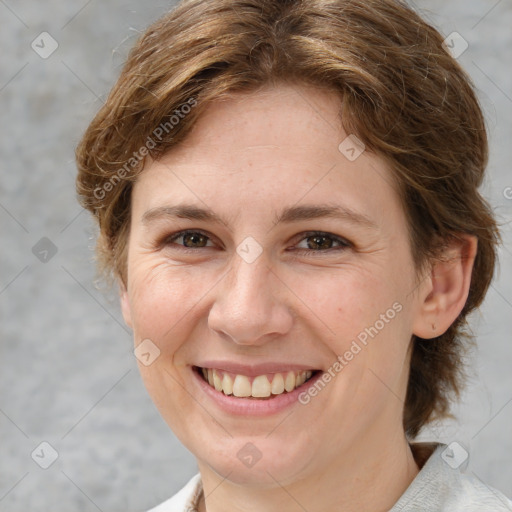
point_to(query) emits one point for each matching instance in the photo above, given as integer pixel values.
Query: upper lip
(253, 370)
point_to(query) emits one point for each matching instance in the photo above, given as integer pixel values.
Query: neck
(370, 477)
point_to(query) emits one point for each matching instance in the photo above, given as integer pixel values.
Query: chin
(260, 462)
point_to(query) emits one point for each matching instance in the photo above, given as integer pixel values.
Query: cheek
(165, 306)
(164, 300)
(344, 301)
(364, 320)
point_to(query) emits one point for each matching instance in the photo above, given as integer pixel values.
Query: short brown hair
(400, 93)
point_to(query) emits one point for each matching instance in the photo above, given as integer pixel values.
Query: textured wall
(68, 376)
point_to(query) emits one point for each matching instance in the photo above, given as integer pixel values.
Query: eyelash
(343, 244)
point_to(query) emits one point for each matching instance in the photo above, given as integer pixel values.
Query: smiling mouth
(262, 386)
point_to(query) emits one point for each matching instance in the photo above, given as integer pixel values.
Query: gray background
(68, 375)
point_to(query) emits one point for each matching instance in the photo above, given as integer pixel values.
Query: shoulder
(184, 500)
(442, 486)
(476, 495)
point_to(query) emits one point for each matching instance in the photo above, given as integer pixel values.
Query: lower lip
(253, 406)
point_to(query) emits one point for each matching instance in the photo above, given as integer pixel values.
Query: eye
(189, 239)
(319, 241)
(315, 241)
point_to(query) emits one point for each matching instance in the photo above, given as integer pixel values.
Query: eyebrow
(287, 216)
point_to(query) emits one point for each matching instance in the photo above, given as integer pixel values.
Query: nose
(247, 308)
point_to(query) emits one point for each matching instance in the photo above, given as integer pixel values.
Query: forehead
(261, 151)
(274, 116)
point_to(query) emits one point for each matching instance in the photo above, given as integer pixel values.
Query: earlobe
(125, 304)
(447, 288)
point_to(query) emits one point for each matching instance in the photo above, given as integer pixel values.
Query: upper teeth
(261, 387)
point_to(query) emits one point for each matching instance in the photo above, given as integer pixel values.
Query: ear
(446, 288)
(125, 303)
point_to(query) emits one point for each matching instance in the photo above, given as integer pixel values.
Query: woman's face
(266, 249)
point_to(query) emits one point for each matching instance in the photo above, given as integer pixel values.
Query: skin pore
(318, 283)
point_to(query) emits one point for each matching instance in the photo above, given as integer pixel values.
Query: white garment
(437, 488)
(185, 500)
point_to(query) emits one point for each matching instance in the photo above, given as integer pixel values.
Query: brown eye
(318, 242)
(189, 239)
(194, 240)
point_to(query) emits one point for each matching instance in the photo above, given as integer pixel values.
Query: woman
(287, 196)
